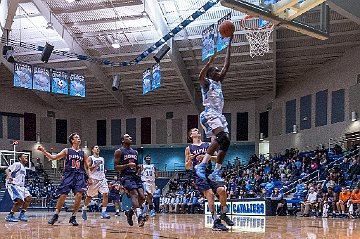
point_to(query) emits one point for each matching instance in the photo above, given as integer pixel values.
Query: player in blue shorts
(76, 166)
(126, 162)
(194, 154)
(212, 119)
(15, 185)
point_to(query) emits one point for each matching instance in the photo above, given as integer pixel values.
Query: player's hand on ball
(40, 148)
(132, 165)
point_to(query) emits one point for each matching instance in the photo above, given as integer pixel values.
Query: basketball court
(111, 44)
(182, 226)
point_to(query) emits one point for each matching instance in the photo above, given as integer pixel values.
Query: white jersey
(148, 173)
(99, 172)
(213, 98)
(18, 173)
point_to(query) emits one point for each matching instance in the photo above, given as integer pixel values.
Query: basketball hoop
(257, 37)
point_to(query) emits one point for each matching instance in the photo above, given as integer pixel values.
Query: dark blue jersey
(128, 156)
(74, 161)
(198, 150)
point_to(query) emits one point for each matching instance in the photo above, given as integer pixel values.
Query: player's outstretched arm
(58, 156)
(227, 61)
(188, 158)
(202, 76)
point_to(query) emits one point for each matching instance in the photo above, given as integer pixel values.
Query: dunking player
(148, 175)
(16, 187)
(76, 162)
(194, 154)
(126, 162)
(212, 119)
(98, 182)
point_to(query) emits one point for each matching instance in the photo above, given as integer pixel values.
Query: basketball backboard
(310, 17)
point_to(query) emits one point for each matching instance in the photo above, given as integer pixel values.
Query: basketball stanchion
(258, 37)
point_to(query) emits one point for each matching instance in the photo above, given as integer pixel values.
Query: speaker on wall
(161, 53)
(46, 53)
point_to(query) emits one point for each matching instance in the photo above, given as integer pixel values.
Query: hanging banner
(208, 42)
(22, 75)
(77, 85)
(222, 43)
(146, 81)
(41, 79)
(156, 77)
(60, 82)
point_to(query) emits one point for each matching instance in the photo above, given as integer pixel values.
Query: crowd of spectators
(300, 174)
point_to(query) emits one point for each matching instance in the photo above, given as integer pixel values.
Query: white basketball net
(259, 40)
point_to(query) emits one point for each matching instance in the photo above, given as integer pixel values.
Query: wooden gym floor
(179, 226)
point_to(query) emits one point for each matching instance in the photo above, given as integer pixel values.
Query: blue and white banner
(41, 79)
(222, 43)
(23, 75)
(255, 208)
(242, 223)
(146, 81)
(217, 207)
(77, 85)
(156, 77)
(60, 82)
(208, 42)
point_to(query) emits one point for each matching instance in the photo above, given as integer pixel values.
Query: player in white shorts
(16, 187)
(148, 175)
(98, 182)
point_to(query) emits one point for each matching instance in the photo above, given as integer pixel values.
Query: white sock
(103, 209)
(218, 166)
(138, 212)
(117, 210)
(84, 208)
(342, 212)
(206, 158)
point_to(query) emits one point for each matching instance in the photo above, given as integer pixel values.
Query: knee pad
(223, 140)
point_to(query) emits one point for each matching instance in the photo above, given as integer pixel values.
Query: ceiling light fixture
(50, 26)
(115, 44)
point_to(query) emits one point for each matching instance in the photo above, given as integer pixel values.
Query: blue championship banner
(208, 42)
(41, 79)
(156, 77)
(60, 82)
(22, 75)
(251, 208)
(222, 43)
(77, 85)
(146, 81)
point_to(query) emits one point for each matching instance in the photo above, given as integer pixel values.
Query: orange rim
(242, 24)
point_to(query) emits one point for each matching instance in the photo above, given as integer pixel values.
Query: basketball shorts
(131, 182)
(97, 186)
(205, 184)
(149, 187)
(72, 181)
(17, 192)
(210, 120)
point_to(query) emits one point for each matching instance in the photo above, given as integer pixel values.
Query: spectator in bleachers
(344, 196)
(320, 198)
(263, 194)
(331, 198)
(277, 199)
(309, 203)
(354, 199)
(355, 168)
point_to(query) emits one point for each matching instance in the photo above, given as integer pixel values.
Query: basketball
(226, 28)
